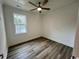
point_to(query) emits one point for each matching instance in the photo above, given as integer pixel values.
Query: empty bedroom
(39, 29)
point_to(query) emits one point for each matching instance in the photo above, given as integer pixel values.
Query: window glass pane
(19, 19)
(20, 29)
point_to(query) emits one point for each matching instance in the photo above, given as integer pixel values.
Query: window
(20, 23)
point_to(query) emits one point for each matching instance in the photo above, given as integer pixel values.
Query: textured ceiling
(53, 4)
(22, 3)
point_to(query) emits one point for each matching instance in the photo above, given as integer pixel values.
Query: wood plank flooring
(40, 49)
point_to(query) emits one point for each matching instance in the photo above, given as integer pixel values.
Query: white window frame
(20, 25)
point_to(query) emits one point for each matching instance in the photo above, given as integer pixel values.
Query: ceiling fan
(39, 7)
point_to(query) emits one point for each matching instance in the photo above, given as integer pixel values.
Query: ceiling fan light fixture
(39, 9)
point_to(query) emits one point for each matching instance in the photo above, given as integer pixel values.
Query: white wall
(60, 25)
(33, 21)
(3, 45)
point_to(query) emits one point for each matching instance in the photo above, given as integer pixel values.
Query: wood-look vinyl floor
(40, 49)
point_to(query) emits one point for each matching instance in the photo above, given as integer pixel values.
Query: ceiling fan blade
(33, 9)
(46, 8)
(45, 2)
(33, 4)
